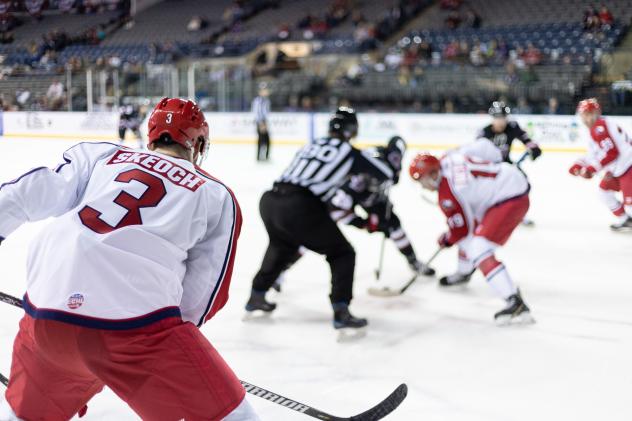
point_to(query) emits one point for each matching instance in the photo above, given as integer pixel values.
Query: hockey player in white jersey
(610, 151)
(139, 256)
(483, 203)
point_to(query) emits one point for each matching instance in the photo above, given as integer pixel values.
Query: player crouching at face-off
(484, 202)
(139, 256)
(609, 150)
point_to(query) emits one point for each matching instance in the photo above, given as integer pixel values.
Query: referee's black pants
(298, 218)
(263, 145)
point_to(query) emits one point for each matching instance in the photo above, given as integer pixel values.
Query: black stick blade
(385, 407)
(4, 380)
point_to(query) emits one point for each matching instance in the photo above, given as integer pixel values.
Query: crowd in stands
(597, 20)
(235, 14)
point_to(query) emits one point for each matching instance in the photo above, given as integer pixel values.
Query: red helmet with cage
(588, 106)
(423, 164)
(182, 121)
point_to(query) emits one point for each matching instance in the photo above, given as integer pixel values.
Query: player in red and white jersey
(610, 151)
(484, 202)
(139, 256)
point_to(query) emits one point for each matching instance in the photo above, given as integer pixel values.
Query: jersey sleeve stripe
(17, 180)
(219, 296)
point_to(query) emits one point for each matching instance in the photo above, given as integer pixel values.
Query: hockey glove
(588, 172)
(534, 150)
(373, 223)
(444, 240)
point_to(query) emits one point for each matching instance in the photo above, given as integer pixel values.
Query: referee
(294, 214)
(261, 109)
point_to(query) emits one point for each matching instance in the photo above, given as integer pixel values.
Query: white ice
(574, 364)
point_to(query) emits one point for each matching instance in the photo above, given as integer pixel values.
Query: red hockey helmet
(423, 164)
(588, 106)
(182, 121)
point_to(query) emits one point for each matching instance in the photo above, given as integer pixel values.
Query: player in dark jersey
(371, 195)
(502, 132)
(295, 214)
(130, 119)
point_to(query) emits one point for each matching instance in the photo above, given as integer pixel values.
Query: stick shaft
(249, 387)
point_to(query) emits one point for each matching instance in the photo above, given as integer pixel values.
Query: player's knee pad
(243, 412)
(477, 248)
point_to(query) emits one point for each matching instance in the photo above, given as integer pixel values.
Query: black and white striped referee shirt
(325, 164)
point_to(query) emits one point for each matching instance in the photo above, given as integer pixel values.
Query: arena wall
(422, 131)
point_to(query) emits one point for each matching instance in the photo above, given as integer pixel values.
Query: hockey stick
(376, 413)
(526, 221)
(521, 160)
(388, 292)
(389, 210)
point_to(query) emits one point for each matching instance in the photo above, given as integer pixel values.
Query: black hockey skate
(349, 327)
(516, 311)
(421, 268)
(258, 301)
(455, 279)
(344, 319)
(625, 225)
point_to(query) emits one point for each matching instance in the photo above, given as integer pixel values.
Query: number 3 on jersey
(155, 192)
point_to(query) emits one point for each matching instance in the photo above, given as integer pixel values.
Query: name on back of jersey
(173, 172)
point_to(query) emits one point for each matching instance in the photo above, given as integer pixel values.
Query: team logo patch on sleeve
(75, 301)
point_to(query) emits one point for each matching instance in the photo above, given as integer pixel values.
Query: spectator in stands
(511, 76)
(528, 75)
(532, 55)
(357, 17)
(6, 37)
(463, 55)
(453, 20)
(306, 21)
(591, 21)
(472, 19)
(448, 107)
(364, 36)
(553, 107)
(55, 95)
(283, 32)
(450, 4)
(476, 55)
(307, 104)
(451, 51)
(337, 12)
(522, 107)
(197, 23)
(605, 18)
(425, 52)
(233, 13)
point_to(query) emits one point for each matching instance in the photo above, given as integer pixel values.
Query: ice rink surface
(576, 275)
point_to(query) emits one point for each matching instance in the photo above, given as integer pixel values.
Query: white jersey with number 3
(139, 236)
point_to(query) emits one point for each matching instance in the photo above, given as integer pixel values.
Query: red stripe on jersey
(601, 136)
(453, 210)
